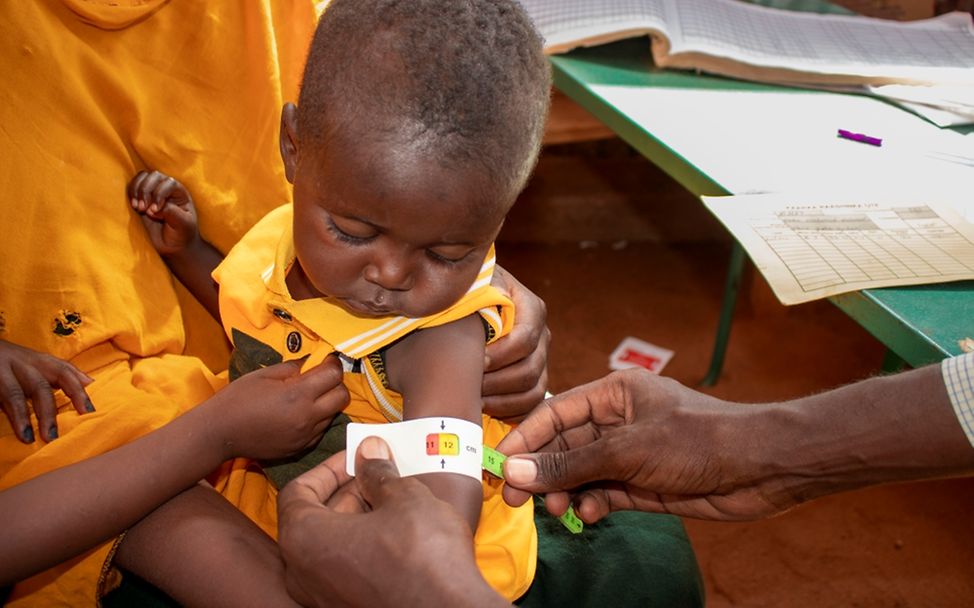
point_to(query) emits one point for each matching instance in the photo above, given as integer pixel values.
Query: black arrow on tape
(442, 424)
(442, 463)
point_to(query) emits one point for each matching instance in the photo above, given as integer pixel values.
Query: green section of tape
(494, 464)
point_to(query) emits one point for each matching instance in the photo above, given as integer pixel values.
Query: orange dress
(94, 91)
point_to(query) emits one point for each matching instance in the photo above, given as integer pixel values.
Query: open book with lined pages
(752, 42)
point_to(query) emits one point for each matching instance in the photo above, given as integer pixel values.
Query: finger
(529, 332)
(545, 423)
(554, 471)
(557, 503)
(41, 396)
(135, 191)
(517, 376)
(280, 371)
(317, 485)
(177, 216)
(147, 187)
(348, 499)
(374, 467)
(68, 380)
(514, 496)
(596, 402)
(161, 193)
(14, 404)
(322, 378)
(515, 407)
(594, 504)
(522, 342)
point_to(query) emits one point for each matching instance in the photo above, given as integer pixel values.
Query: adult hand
(379, 540)
(277, 411)
(635, 440)
(516, 369)
(25, 375)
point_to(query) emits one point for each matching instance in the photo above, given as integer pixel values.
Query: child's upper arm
(439, 371)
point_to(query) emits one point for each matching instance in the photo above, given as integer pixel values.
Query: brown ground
(617, 249)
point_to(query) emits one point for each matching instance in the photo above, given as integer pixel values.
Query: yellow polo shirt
(267, 326)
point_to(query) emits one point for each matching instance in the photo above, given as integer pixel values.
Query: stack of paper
(943, 105)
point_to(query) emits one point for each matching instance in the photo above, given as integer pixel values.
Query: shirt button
(294, 341)
(282, 314)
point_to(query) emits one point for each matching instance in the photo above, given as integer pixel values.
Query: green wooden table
(919, 325)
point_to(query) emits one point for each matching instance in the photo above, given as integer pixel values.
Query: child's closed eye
(348, 237)
(444, 260)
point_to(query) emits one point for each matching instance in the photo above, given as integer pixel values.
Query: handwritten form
(808, 251)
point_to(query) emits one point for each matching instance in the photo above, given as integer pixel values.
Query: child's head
(418, 124)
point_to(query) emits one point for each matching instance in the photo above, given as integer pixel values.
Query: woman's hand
(27, 375)
(516, 370)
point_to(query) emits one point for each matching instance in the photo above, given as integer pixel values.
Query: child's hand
(278, 411)
(27, 374)
(166, 209)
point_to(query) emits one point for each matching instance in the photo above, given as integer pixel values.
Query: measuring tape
(438, 445)
(494, 464)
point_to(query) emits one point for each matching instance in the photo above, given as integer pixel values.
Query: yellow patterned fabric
(93, 92)
(267, 326)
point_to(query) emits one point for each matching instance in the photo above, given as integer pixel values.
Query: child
(417, 126)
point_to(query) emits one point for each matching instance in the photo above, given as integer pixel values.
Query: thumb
(176, 215)
(374, 466)
(282, 371)
(544, 472)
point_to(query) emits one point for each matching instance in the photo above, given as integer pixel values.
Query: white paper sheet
(813, 248)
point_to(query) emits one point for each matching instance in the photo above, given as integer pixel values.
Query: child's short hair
(464, 80)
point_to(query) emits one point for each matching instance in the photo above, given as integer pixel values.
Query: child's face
(390, 233)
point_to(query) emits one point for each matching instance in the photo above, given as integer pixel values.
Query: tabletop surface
(719, 136)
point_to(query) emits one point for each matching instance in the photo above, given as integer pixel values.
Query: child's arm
(439, 372)
(169, 215)
(267, 414)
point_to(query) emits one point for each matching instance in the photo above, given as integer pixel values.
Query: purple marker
(860, 137)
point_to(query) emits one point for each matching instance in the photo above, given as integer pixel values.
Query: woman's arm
(439, 372)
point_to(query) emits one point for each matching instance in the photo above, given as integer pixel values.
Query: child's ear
(289, 140)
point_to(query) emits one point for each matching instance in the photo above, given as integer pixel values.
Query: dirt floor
(617, 249)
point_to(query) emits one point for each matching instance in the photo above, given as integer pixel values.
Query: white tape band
(424, 445)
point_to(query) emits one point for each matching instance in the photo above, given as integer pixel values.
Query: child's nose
(390, 272)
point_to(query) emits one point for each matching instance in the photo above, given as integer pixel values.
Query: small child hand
(27, 374)
(167, 210)
(278, 411)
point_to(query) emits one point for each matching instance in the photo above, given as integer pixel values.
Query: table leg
(731, 288)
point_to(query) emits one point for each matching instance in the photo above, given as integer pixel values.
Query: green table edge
(891, 315)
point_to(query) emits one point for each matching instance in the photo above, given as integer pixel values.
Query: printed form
(808, 251)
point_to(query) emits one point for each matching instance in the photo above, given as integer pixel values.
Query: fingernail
(374, 448)
(486, 362)
(52, 432)
(89, 406)
(520, 470)
(29, 434)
